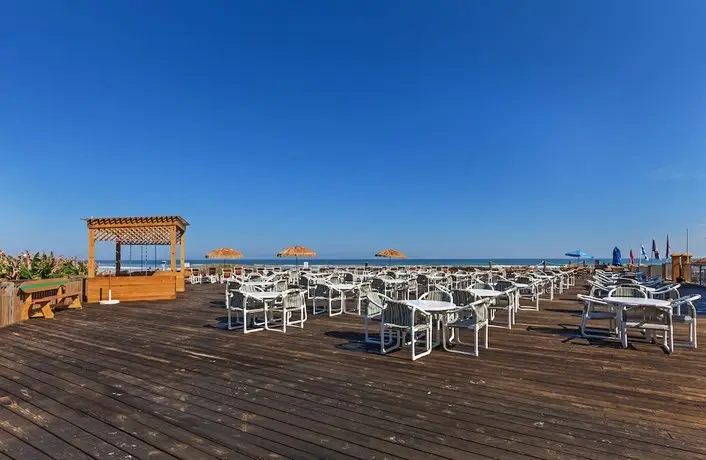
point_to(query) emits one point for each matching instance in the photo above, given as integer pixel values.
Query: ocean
(373, 261)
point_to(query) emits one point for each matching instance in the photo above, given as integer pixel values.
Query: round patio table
(624, 303)
(344, 288)
(432, 306)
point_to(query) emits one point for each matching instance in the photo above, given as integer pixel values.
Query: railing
(698, 274)
(663, 270)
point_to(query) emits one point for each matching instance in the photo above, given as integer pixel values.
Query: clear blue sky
(442, 128)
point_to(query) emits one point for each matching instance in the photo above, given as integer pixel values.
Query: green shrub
(39, 266)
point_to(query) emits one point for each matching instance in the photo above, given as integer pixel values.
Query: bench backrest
(32, 287)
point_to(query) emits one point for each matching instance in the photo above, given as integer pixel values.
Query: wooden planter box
(133, 288)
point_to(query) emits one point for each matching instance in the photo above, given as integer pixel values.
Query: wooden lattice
(137, 230)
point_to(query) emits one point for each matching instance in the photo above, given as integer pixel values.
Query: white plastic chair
(293, 306)
(247, 312)
(212, 274)
(195, 277)
(226, 275)
(471, 315)
(404, 320)
(597, 309)
(374, 305)
(686, 318)
(325, 293)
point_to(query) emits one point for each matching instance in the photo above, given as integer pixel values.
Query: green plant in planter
(39, 266)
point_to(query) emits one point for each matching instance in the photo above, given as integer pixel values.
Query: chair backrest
(237, 299)
(378, 284)
(292, 298)
(479, 310)
(364, 289)
(195, 272)
(376, 303)
(627, 291)
(322, 290)
(348, 277)
(280, 286)
(503, 285)
(212, 271)
(397, 314)
(303, 281)
(462, 297)
(443, 296)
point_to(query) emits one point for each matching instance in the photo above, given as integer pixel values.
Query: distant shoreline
(373, 262)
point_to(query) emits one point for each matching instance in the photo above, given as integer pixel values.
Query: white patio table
(344, 288)
(265, 296)
(436, 308)
(486, 292)
(625, 303)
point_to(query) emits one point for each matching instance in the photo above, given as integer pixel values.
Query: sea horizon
(371, 261)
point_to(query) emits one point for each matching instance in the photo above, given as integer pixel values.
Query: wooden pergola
(160, 230)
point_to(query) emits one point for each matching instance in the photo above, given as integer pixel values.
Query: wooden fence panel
(10, 311)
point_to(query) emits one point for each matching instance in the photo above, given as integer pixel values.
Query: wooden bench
(40, 297)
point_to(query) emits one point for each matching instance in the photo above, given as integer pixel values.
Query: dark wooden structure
(160, 230)
(159, 383)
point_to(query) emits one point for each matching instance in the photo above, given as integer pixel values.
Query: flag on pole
(644, 254)
(668, 251)
(655, 251)
(632, 258)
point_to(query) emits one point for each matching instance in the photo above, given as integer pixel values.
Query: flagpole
(687, 241)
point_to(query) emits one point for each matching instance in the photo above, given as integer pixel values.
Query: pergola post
(172, 248)
(118, 256)
(91, 253)
(181, 252)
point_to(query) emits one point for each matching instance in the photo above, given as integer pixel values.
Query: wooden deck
(156, 380)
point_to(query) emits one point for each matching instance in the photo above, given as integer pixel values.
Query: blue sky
(442, 128)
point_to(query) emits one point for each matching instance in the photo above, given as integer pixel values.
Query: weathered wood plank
(316, 393)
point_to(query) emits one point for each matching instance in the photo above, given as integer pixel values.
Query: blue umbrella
(579, 254)
(617, 257)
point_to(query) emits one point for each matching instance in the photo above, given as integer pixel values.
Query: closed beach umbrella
(617, 257)
(296, 252)
(391, 254)
(578, 254)
(224, 253)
